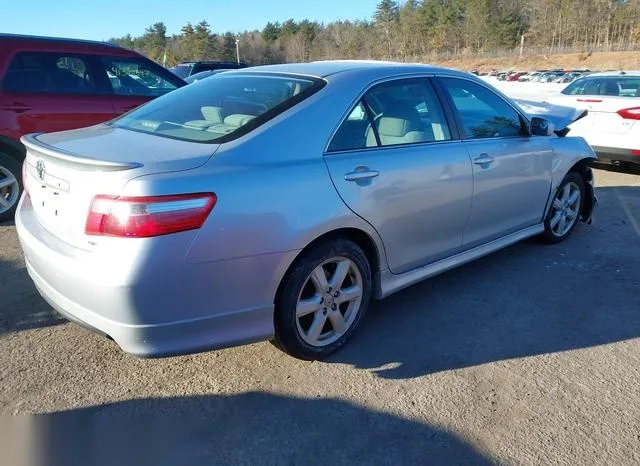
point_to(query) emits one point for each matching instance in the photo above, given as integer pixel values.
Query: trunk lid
(65, 170)
(603, 116)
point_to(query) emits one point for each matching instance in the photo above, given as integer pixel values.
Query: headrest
(212, 114)
(398, 119)
(610, 88)
(238, 120)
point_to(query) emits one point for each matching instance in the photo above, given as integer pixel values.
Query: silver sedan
(277, 202)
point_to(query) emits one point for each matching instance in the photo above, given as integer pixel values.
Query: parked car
(568, 77)
(276, 202)
(515, 76)
(612, 126)
(528, 77)
(52, 84)
(550, 76)
(203, 74)
(186, 69)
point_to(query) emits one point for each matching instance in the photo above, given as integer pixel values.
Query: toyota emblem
(40, 169)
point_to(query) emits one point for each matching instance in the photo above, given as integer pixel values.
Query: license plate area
(49, 194)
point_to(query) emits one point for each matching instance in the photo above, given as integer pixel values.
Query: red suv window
(49, 72)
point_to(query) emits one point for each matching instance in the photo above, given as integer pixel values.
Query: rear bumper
(169, 339)
(615, 154)
(152, 312)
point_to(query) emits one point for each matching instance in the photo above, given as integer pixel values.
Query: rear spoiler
(42, 149)
(559, 115)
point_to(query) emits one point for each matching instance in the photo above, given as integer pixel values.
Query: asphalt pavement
(528, 356)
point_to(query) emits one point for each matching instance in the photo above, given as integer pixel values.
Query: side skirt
(390, 283)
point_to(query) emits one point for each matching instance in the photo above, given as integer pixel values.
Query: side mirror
(541, 127)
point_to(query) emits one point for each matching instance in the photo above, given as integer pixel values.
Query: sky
(116, 18)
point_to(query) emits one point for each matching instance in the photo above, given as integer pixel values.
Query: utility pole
(238, 47)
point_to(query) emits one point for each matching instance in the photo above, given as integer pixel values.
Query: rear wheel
(565, 210)
(10, 186)
(323, 299)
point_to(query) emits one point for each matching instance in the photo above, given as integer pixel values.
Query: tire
(9, 195)
(554, 232)
(296, 327)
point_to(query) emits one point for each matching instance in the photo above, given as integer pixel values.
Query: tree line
(413, 30)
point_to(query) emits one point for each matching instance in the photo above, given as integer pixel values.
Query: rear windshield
(615, 86)
(181, 71)
(219, 108)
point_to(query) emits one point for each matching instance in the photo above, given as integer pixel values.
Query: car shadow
(21, 306)
(526, 300)
(250, 428)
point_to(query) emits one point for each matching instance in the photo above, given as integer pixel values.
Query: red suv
(49, 84)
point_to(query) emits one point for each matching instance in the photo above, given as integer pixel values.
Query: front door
(395, 164)
(135, 81)
(511, 169)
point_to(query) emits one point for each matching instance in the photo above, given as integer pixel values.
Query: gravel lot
(528, 356)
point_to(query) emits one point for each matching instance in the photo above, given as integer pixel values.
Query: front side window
(136, 78)
(49, 73)
(219, 108)
(483, 113)
(612, 86)
(398, 112)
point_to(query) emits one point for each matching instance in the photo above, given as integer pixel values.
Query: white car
(612, 126)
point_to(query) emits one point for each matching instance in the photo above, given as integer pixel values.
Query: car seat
(399, 124)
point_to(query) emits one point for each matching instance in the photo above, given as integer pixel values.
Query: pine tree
(386, 18)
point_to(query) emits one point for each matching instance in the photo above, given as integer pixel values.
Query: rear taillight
(143, 217)
(630, 113)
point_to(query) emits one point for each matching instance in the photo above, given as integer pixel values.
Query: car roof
(209, 62)
(62, 40)
(617, 74)
(25, 43)
(323, 69)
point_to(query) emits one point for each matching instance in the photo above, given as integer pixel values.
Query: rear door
(511, 169)
(134, 81)
(49, 91)
(397, 163)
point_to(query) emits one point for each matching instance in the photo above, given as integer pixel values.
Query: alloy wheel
(329, 301)
(9, 190)
(565, 209)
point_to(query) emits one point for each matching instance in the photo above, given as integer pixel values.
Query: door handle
(361, 175)
(483, 159)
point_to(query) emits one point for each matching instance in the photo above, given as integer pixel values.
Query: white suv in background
(612, 126)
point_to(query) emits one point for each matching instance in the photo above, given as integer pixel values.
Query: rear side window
(219, 108)
(483, 113)
(612, 86)
(399, 112)
(49, 73)
(137, 78)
